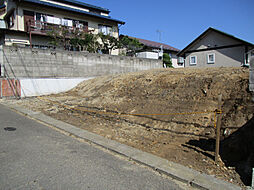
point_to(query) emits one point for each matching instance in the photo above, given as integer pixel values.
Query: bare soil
(187, 139)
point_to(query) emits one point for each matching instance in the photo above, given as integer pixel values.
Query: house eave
(82, 4)
(200, 37)
(48, 4)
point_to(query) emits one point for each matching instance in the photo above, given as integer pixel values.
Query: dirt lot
(185, 139)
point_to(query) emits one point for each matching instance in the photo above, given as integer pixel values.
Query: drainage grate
(10, 129)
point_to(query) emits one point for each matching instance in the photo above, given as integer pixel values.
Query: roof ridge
(170, 47)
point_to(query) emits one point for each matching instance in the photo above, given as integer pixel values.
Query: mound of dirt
(101, 104)
(238, 151)
(174, 91)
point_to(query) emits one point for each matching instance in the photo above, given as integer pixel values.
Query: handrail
(35, 25)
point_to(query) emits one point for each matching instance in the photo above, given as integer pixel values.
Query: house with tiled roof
(26, 22)
(155, 50)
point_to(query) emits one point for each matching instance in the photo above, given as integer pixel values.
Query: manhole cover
(9, 129)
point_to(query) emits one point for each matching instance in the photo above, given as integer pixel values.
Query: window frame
(109, 29)
(196, 60)
(208, 61)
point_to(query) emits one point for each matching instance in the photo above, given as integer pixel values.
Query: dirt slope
(186, 139)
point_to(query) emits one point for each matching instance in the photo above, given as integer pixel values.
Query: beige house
(214, 48)
(26, 22)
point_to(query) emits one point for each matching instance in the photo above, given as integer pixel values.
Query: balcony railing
(45, 28)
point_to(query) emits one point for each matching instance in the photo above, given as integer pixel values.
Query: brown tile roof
(156, 44)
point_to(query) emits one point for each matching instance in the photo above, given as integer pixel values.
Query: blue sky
(181, 21)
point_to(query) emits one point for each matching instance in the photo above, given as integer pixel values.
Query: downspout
(184, 57)
(119, 29)
(17, 18)
(30, 38)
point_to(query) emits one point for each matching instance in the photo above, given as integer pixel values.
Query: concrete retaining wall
(36, 87)
(37, 63)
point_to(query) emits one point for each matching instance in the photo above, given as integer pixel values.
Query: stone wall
(38, 63)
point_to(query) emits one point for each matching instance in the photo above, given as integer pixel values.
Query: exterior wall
(250, 54)
(37, 63)
(9, 88)
(155, 55)
(228, 57)
(38, 87)
(16, 38)
(174, 59)
(1, 61)
(149, 55)
(251, 86)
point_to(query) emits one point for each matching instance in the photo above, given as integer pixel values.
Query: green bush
(167, 60)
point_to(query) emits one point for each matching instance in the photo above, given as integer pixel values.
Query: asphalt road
(35, 156)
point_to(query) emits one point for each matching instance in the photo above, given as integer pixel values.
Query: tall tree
(167, 60)
(109, 43)
(131, 45)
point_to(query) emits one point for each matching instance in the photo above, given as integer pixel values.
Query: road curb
(171, 169)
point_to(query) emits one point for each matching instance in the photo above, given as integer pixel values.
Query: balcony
(46, 28)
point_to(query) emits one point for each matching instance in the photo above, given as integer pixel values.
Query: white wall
(38, 87)
(174, 60)
(149, 55)
(174, 63)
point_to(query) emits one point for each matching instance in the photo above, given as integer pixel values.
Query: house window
(106, 30)
(40, 17)
(82, 25)
(211, 58)
(193, 60)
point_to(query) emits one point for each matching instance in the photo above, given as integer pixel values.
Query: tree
(75, 38)
(131, 45)
(89, 42)
(109, 43)
(55, 37)
(167, 60)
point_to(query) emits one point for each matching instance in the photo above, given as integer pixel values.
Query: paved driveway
(35, 156)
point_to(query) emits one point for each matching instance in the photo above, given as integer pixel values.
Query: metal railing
(45, 27)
